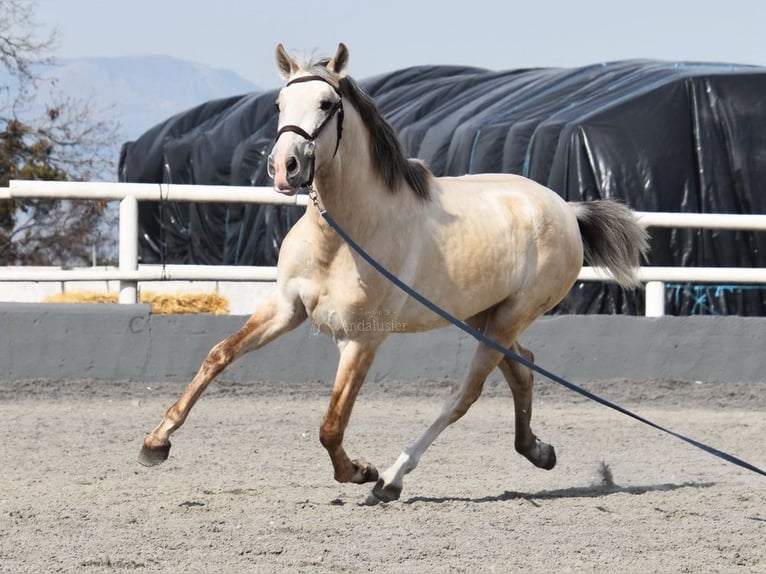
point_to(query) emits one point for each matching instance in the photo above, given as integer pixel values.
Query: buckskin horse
(495, 250)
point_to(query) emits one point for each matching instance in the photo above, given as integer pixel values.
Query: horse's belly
(462, 303)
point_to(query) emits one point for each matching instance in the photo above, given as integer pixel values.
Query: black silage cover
(659, 136)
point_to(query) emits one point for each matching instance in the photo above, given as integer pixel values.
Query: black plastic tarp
(660, 136)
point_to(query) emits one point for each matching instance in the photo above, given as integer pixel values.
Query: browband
(314, 78)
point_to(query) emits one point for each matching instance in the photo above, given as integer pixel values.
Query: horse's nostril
(270, 169)
(292, 165)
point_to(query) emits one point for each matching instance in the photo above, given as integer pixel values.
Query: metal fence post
(128, 249)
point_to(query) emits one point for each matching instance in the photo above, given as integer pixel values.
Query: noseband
(337, 109)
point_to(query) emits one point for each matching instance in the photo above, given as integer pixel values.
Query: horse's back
(482, 186)
(490, 237)
(536, 216)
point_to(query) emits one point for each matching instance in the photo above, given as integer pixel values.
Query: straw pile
(161, 303)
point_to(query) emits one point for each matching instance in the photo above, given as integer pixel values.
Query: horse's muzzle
(291, 167)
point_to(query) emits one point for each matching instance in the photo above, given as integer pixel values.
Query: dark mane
(388, 156)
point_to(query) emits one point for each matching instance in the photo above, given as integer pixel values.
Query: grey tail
(612, 238)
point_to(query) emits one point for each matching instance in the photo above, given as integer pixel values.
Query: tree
(67, 141)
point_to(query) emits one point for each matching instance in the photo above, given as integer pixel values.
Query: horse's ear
(338, 63)
(285, 63)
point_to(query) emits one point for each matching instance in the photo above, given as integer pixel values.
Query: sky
(241, 35)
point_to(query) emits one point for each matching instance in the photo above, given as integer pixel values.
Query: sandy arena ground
(248, 487)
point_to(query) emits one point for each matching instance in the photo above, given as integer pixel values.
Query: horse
(496, 250)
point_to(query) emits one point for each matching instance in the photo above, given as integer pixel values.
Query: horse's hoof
(542, 455)
(369, 500)
(546, 456)
(365, 472)
(153, 456)
(386, 492)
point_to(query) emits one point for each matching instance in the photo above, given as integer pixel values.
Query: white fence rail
(147, 192)
(130, 272)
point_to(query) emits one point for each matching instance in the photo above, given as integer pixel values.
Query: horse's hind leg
(275, 317)
(389, 486)
(521, 381)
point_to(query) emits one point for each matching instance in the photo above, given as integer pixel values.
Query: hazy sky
(389, 34)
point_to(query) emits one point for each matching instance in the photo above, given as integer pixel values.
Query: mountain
(141, 91)
(135, 91)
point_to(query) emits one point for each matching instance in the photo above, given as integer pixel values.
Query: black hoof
(365, 472)
(542, 455)
(153, 456)
(548, 460)
(386, 493)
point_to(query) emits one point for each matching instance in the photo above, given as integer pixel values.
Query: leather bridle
(336, 110)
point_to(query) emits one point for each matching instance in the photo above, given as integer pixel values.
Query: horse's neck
(351, 192)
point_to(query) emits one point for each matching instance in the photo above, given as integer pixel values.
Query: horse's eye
(325, 105)
(276, 107)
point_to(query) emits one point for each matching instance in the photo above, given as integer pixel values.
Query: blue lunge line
(507, 352)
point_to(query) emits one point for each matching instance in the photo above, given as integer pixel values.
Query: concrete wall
(127, 342)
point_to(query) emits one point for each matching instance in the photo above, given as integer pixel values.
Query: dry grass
(162, 303)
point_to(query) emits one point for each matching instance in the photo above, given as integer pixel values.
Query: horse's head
(310, 120)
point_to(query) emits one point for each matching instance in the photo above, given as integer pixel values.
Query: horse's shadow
(593, 491)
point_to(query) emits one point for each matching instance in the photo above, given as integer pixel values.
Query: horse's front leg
(355, 361)
(274, 318)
